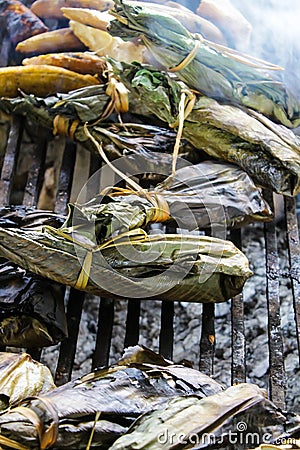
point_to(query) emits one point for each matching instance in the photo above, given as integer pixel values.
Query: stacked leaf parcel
(205, 126)
(143, 401)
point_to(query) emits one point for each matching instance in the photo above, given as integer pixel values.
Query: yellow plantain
(41, 80)
(80, 62)
(52, 8)
(59, 40)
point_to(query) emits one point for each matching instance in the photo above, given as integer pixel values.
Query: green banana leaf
(215, 71)
(22, 377)
(140, 382)
(269, 153)
(131, 264)
(239, 416)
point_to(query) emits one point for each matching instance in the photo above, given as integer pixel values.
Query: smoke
(276, 35)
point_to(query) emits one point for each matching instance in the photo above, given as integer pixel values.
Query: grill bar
(104, 334)
(10, 161)
(276, 370)
(207, 340)
(132, 332)
(294, 259)
(166, 336)
(238, 362)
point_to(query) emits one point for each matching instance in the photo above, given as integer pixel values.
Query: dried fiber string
(97, 416)
(186, 104)
(160, 211)
(127, 238)
(99, 147)
(118, 93)
(138, 235)
(249, 60)
(64, 126)
(48, 437)
(189, 58)
(10, 443)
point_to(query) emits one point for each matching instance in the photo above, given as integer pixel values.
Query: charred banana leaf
(269, 153)
(131, 264)
(140, 382)
(32, 312)
(22, 377)
(215, 195)
(213, 70)
(239, 416)
(204, 195)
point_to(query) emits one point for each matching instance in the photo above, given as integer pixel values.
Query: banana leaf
(216, 71)
(22, 377)
(140, 382)
(216, 195)
(32, 312)
(28, 217)
(269, 153)
(131, 264)
(235, 418)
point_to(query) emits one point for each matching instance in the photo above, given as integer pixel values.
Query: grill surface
(17, 147)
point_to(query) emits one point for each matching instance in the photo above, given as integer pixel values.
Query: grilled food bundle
(141, 401)
(166, 266)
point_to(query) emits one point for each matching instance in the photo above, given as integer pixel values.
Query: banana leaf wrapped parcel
(101, 404)
(204, 195)
(172, 267)
(213, 70)
(268, 152)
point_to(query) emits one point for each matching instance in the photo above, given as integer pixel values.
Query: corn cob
(52, 8)
(59, 40)
(41, 80)
(20, 22)
(80, 62)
